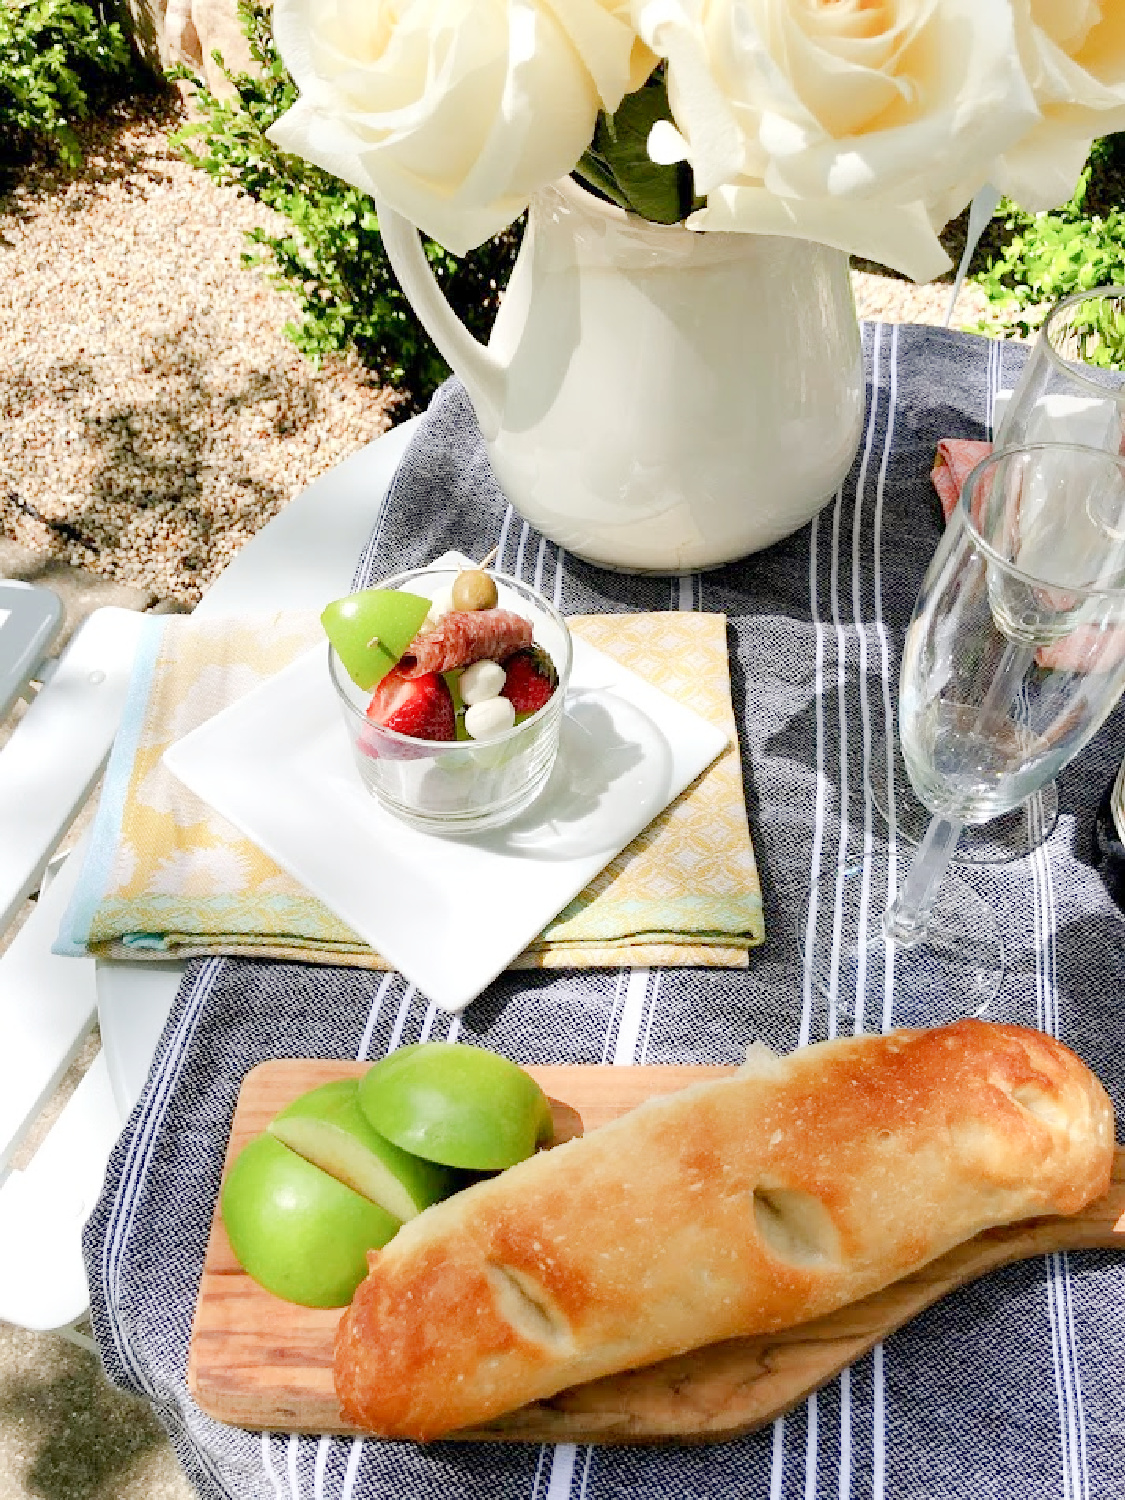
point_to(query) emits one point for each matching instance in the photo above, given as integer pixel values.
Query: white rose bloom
(452, 111)
(862, 123)
(1074, 54)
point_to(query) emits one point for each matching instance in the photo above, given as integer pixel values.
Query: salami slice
(464, 636)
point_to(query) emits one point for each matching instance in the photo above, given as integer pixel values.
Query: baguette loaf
(733, 1207)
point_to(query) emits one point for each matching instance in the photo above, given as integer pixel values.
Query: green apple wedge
(370, 630)
(327, 1127)
(458, 1105)
(296, 1230)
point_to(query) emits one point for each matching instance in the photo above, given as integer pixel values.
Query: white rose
(1074, 54)
(453, 111)
(862, 123)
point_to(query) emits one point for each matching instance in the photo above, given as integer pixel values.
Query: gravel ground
(891, 300)
(154, 416)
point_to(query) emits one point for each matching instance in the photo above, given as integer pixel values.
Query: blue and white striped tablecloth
(1011, 1388)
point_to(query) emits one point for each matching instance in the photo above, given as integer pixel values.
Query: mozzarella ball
(484, 721)
(481, 681)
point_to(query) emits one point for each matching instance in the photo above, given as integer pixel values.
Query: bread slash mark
(526, 1306)
(795, 1226)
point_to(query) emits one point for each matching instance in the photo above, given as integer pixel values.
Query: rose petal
(1075, 55)
(665, 144)
(897, 235)
(453, 114)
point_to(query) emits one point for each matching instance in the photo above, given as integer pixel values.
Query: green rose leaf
(618, 165)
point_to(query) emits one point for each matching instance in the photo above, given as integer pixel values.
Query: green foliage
(1070, 249)
(331, 256)
(58, 61)
(617, 163)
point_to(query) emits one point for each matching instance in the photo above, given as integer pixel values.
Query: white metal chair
(49, 1005)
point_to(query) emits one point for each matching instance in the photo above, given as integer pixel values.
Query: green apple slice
(370, 630)
(295, 1229)
(453, 683)
(458, 1105)
(327, 1127)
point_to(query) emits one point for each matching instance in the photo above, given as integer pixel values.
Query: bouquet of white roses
(863, 124)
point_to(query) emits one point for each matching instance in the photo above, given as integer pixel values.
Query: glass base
(1010, 836)
(443, 800)
(873, 983)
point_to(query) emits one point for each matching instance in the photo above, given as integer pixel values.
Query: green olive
(473, 590)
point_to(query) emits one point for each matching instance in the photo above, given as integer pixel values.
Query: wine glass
(1015, 654)
(1068, 392)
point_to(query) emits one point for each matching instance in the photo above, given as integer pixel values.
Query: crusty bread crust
(734, 1207)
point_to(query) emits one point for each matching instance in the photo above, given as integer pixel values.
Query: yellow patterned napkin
(167, 876)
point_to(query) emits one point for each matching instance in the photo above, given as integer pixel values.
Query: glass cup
(454, 787)
(1069, 391)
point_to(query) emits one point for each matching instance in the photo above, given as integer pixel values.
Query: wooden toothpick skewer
(491, 557)
(372, 643)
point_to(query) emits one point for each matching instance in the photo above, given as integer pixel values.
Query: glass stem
(908, 915)
(1010, 673)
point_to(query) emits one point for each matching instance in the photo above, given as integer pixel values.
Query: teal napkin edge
(277, 915)
(74, 930)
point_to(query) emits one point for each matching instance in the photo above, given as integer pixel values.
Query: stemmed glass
(1015, 654)
(1068, 392)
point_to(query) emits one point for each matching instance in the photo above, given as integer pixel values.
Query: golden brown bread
(733, 1207)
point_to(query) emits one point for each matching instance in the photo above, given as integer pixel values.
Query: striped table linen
(1013, 1386)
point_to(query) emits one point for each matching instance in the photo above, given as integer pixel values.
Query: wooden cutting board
(258, 1362)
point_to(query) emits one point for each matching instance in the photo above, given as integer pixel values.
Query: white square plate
(449, 913)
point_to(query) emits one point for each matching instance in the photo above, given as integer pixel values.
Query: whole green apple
(327, 1127)
(295, 1229)
(370, 630)
(458, 1105)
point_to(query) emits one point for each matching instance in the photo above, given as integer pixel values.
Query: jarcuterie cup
(461, 786)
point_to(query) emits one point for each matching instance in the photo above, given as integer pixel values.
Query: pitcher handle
(477, 368)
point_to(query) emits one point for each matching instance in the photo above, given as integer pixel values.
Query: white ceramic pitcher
(655, 398)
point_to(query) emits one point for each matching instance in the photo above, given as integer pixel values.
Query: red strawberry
(418, 706)
(525, 686)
